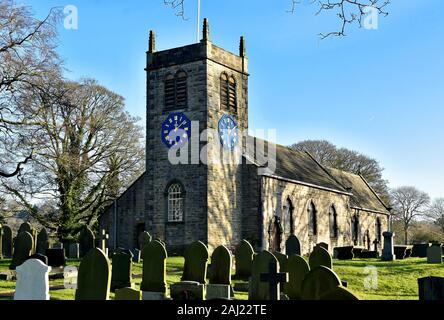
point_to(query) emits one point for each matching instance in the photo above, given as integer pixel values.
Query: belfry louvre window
(228, 96)
(175, 203)
(176, 91)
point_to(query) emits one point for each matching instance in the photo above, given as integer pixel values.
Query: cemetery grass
(396, 280)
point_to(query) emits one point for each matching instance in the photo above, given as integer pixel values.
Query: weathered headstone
(434, 254)
(153, 284)
(23, 246)
(196, 262)
(431, 288)
(94, 278)
(42, 241)
(70, 274)
(144, 239)
(56, 257)
(220, 274)
(87, 240)
(25, 227)
(244, 260)
(122, 266)
(261, 263)
(73, 250)
(388, 251)
(318, 282)
(297, 269)
(400, 252)
(293, 246)
(339, 293)
(32, 280)
(128, 294)
(320, 257)
(7, 244)
(274, 278)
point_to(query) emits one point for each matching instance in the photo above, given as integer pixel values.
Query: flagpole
(198, 20)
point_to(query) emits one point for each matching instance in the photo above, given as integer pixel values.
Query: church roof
(364, 197)
(302, 168)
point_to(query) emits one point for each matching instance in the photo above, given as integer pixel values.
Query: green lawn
(395, 280)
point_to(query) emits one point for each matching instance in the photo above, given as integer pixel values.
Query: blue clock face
(228, 132)
(176, 130)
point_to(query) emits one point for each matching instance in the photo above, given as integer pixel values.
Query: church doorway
(275, 235)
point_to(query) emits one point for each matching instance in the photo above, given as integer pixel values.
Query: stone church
(225, 203)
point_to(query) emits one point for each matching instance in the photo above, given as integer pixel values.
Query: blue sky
(380, 92)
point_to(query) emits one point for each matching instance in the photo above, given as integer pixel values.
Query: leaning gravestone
(244, 260)
(86, 241)
(220, 274)
(319, 282)
(23, 246)
(122, 266)
(297, 269)
(261, 263)
(144, 239)
(42, 241)
(196, 262)
(293, 246)
(434, 254)
(320, 257)
(153, 284)
(94, 278)
(128, 294)
(32, 281)
(7, 245)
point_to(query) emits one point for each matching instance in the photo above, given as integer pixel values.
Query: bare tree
(347, 160)
(87, 149)
(436, 213)
(409, 204)
(27, 59)
(348, 11)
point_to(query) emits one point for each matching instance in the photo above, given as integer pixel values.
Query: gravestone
(388, 251)
(42, 241)
(40, 257)
(293, 246)
(297, 269)
(137, 255)
(7, 244)
(56, 257)
(122, 266)
(144, 239)
(339, 294)
(57, 245)
(274, 278)
(154, 284)
(318, 282)
(196, 263)
(357, 251)
(431, 288)
(344, 253)
(220, 274)
(73, 250)
(434, 254)
(323, 245)
(261, 264)
(86, 241)
(32, 280)
(25, 227)
(400, 252)
(420, 250)
(94, 278)
(244, 260)
(70, 274)
(369, 254)
(188, 290)
(128, 294)
(23, 246)
(320, 257)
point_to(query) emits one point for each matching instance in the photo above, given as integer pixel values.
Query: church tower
(196, 95)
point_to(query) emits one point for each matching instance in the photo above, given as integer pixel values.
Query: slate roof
(300, 167)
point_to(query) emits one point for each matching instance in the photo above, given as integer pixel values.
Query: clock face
(176, 130)
(228, 132)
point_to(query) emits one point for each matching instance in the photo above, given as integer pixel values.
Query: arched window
(355, 229)
(228, 95)
(176, 91)
(333, 222)
(175, 203)
(313, 221)
(378, 230)
(288, 217)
